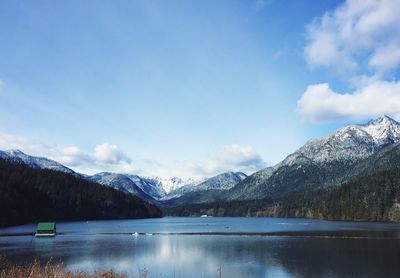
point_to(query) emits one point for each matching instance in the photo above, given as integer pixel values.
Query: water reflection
(181, 256)
(206, 255)
(236, 256)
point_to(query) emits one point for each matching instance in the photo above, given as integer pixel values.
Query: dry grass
(51, 270)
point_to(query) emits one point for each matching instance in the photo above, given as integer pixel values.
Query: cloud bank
(104, 157)
(111, 158)
(320, 104)
(360, 40)
(359, 36)
(229, 158)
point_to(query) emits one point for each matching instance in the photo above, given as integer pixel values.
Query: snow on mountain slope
(145, 187)
(350, 143)
(165, 189)
(168, 185)
(320, 162)
(353, 141)
(120, 182)
(16, 156)
(224, 181)
(183, 190)
(153, 187)
(150, 186)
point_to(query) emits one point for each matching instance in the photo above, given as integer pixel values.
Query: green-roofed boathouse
(46, 229)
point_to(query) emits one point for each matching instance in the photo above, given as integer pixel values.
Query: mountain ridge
(320, 161)
(150, 188)
(29, 195)
(372, 193)
(17, 156)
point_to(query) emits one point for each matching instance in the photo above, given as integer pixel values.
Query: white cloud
(105, 157)
(229, 158)
(35, 147)
(359, 36)
(110, 158)
(1, 85)
(386, 58)
(122, 168)
(71, 156)
(108, 153)
(319, 103)
(361, 40)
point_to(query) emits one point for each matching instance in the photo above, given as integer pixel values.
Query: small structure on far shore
(46, 229)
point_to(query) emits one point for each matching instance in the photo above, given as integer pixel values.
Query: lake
(215, 247)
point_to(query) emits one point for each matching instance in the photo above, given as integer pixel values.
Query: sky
(191, 88)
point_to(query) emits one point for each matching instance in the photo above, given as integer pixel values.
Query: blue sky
(188, 88)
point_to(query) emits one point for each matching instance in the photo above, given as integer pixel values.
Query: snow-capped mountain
(159, 189)
(16, 156)
(149, 188)
(153, 187)
(224, 181)
(353, 141)
(168, 185)
(145, 187)
(320, 162)
(121, 182)
(350, 143)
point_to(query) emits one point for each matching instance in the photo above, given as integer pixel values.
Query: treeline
(375, 197)
(30, 195)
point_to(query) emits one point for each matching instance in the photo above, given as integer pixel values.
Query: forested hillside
(30, 195)
(374, 197)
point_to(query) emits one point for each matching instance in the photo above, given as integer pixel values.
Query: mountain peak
(35, 162)
(15, 152)
(382, 120)
(383, 130)
(351, 142)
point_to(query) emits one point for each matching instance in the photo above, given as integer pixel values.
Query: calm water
(206, 247)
